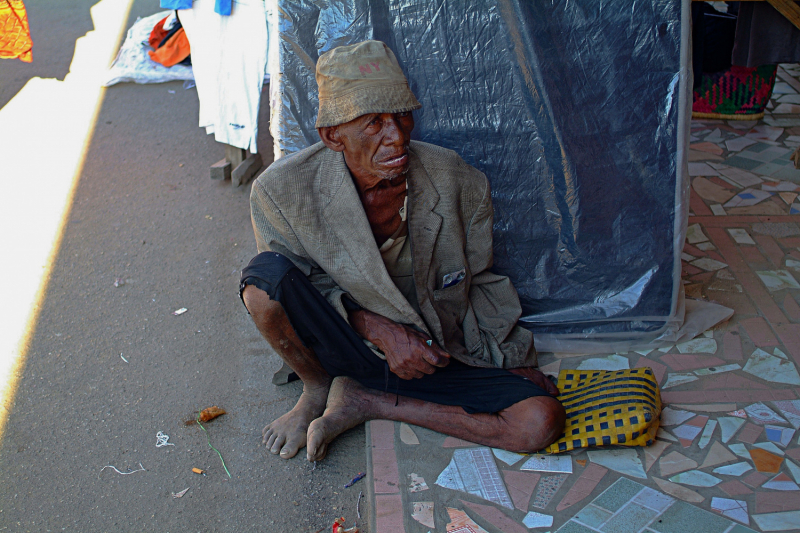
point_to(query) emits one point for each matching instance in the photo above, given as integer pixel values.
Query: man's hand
(537, 378)
(407, 351)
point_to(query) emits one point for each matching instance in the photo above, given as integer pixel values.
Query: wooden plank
(221, 170)
(234, 155)
(246, 170)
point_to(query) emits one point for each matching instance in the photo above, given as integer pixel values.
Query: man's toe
(290, 449)
(275, 443)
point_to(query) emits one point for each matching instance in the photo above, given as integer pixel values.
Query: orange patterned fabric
(15, 37)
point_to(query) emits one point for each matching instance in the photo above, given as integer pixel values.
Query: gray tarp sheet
(577, 111)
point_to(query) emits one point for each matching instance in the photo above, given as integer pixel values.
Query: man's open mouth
(396, 161)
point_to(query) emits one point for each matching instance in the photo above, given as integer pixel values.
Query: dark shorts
(342, 352)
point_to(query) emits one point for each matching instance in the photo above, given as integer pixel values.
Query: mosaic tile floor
(727, 457)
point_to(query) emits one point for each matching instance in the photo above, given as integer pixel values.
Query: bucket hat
(358, 79)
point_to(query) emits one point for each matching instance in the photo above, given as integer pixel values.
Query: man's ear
(331, 138)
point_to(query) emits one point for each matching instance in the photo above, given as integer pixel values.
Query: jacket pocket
(451, 306)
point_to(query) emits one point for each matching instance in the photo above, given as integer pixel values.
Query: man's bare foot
(287, 434)
(348, 406)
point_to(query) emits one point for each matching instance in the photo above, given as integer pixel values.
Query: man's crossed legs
(345, 383)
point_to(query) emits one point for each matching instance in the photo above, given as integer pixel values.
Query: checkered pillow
(608, 407)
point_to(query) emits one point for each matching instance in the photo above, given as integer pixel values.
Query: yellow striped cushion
(608, 407)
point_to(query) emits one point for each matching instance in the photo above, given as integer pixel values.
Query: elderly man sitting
(373, 281)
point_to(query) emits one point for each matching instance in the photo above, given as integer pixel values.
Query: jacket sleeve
(493, 298)
(274, 234)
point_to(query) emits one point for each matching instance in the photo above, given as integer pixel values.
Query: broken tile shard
(766, 461)
(736, 469)
(794, 469)
(611, 362)
(749, 433)
(495, 517)
(761, 414)
(407, 434)
(791, 410)
(728, 426)
(777, 280)
(534, 520)
(625, 461)
(473, 470)
(549, 463)
(653, 452)
(770, 447)
(509, 458)
(680, 492)
(734, 488)
(687, 432)
(708, 431)
(746, 198)
(423, 513)
(779, 435)
(701, 344)
(547, 489)
(785, 521)
(754, 479)
(678, 378)
(416, 483)
(735, 509)
(520, 486)
(694, 233)
(701, 169)
(673, 417)
(718, 455)
(696, 478)
(741, 236)
(675, 462)
(739, 143)
(740, 450)
(710, 371)
(663, 434)
(780, 482)
(461, 523)
(709, 190)
(772, 368)
(583, 486)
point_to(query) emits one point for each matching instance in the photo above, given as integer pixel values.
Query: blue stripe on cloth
(222, 7)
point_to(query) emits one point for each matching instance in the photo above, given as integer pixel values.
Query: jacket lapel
(423, 228)
(345, 215)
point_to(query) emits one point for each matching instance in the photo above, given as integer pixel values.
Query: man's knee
(260, 306)
(538, 422)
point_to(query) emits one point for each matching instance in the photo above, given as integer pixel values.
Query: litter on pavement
(162, 440)
(141, 469)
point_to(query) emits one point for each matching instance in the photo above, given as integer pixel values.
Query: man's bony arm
(407, 350)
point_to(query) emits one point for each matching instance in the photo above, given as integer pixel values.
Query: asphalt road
(147, 214)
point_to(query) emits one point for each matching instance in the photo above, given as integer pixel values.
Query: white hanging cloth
(229, 57)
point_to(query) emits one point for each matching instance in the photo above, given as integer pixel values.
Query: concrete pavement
(146, 213)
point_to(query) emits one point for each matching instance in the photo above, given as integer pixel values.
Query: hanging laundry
(221, 7)
(171, 46)
(229, 58)
(158, 34)
(15, 36)
(170, 21)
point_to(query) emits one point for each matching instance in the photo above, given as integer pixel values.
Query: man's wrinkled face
(376, 145)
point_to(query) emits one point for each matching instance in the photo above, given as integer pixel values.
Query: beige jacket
(306, 207)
